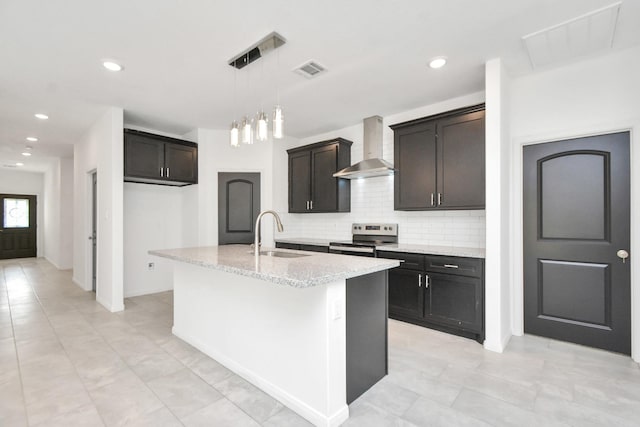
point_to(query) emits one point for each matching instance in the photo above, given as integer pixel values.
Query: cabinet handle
(161, 172)
(167, 172)
(439, 199)
(432, 200)
(419, 280)
(451, 266)
(312, 205)
(307, 205)
(426, 281)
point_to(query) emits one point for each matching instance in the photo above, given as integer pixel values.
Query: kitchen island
(308, 328)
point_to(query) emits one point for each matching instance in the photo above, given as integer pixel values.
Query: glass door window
(16, 213)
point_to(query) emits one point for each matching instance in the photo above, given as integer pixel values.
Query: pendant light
(262, 128)
(278, 116)
(247, 132)
(234, 132)
(278, 122)
(234, 135)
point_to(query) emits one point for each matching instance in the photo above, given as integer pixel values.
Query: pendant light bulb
(262, 127)
(234, 135)
(278, 122)
(247, 132)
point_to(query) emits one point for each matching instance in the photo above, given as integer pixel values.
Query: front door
(238, 207)
(17, 226)
(576, 238)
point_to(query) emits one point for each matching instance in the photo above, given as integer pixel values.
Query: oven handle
(352, 249)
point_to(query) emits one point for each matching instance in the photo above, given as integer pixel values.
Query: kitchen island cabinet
(439, 161)
(311, 331)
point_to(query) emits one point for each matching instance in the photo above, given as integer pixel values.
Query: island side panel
(367, 314)
(287, 341)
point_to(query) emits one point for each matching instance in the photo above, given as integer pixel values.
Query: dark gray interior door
(238, 207)
(17, 226)
(576, 219)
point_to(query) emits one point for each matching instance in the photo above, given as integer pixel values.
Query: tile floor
(65, 361)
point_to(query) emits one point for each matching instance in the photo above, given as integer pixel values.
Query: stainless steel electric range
(365, 238)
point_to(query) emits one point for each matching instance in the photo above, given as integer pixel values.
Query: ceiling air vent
(578, 37)
(310, 69)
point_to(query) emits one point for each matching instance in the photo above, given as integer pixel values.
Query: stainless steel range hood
(373, 164)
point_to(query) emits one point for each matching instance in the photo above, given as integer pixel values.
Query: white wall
(498, 207)
(152, 220)
(372, 198)
(100, 149)
(28, 183)
(160, 217)
(58, 213)
(216, 155)
(594, 96)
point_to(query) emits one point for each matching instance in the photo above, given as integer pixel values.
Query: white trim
(148, 291)
(108, 306)
(88, 247)
(517, 233)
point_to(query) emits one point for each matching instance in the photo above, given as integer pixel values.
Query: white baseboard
(295, 404)
(504, 340)
(148, 291)
(108, 305)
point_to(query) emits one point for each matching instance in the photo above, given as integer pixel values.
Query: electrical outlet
(151, 266)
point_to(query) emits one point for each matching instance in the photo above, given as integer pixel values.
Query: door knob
(622, 254)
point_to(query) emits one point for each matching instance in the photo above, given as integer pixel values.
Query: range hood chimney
(373, 164)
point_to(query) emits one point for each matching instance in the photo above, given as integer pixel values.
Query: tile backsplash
(372, 201)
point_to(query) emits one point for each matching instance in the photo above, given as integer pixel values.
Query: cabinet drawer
(409, 261)
(455, 265)
(282, 245)
(314, 248)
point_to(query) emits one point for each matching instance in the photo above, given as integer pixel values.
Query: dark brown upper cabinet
(157, 159)
(440, 161)
(312, 187)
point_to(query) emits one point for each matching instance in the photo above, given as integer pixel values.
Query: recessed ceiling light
(19, 164)
(26, 154)
(112, 66)
(41, 116)
(438, 62)
(32, 139)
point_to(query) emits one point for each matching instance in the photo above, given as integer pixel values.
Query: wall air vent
(310, 69)
(9, 166)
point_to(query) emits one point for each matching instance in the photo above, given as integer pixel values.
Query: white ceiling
(175, 55)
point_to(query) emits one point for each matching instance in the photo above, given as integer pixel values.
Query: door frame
(517, 211)
(87, 284)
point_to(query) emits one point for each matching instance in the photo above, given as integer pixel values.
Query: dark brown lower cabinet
(406, 296)
(444, 293)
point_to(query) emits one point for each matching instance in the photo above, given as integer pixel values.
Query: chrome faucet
(257, 239)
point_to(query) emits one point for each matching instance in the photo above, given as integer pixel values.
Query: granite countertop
(434, 250)
(313, 270)
(401, 247)
(304, 241)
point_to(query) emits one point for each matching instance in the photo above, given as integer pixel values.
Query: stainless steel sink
(281, 254)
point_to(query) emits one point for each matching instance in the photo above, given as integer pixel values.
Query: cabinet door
(181, 163)
(415, 161)
(143, 157)
(461, 172)
(455, 301)
(406, 296)
(324, 190)
(299, 181)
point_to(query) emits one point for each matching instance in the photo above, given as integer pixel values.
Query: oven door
(368, 251)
